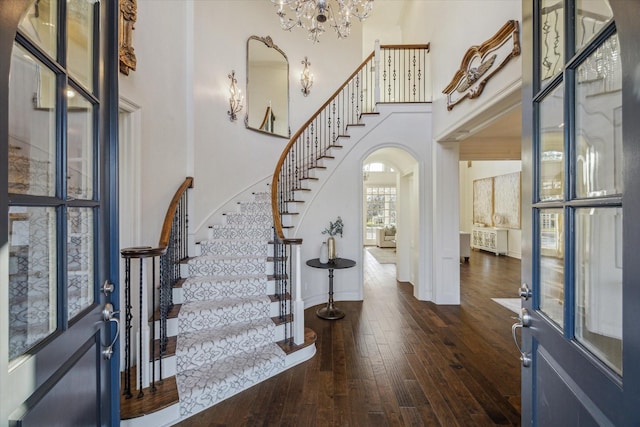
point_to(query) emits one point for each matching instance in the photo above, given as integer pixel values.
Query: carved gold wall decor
(128, 17)
(480, 63)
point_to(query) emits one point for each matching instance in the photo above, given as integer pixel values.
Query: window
(381, 208)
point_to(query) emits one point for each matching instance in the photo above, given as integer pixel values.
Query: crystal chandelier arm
(312, 15)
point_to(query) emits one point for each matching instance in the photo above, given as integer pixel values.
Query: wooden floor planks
(396, 361)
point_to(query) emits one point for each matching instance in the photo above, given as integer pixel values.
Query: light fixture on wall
(306, 78)
(313, 15)
(235, 97)
(365, 172)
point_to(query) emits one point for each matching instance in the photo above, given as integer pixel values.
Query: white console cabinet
(490, 239)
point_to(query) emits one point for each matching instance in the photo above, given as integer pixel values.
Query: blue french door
(58, 145)
(580, 281)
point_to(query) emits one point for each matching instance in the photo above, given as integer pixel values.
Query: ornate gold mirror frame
(128, 16)
(480, 63)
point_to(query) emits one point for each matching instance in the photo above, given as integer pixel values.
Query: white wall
(338, 193)
(466, 30)
(185, 50)
(451, 28)
(228, 157)
(479, 170)
(160, 87)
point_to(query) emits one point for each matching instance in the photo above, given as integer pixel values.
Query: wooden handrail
(406, 46)
(165, 233)
(274, 182)
(171, 211)
(279, 234)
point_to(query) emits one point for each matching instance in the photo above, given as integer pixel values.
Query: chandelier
(315, 15)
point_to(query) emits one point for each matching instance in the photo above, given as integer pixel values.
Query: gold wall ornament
(128, 17)
(480, 63)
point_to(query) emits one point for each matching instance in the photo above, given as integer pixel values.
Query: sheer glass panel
(32, 126)
(80, 31)
(551, 38)
(40, 24)
(552, 152)
(80, 250)
(32, 276)
(599, 123)
(79, 146)
(551, 268)
(598, 273)
(591, 15)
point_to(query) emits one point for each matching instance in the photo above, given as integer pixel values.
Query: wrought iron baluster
(128, 325)
(153, 327)
(140, 393)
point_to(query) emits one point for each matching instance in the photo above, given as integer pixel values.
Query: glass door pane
(79, 146)
(80, 31)
(32, 126)
(32, 277)
(552, 151)
(552, 260)
(591, 15)
(80, 266)
(598, 272)
(551, 39)
(599, 122)
(40, 24)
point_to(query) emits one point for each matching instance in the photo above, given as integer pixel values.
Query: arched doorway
(391, 210)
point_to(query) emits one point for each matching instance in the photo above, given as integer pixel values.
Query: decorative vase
(331, 248)
(324, 253)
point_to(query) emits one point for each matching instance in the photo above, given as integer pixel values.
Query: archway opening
(390, 208)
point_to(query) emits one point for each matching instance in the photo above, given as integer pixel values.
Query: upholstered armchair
(386, 237)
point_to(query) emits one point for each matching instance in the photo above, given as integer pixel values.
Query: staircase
(232, 315)
(226, 335)
(226, 323)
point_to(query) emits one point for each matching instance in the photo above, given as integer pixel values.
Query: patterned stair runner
(226, 338)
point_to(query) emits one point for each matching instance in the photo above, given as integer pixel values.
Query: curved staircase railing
(390, 74)
(171, 250)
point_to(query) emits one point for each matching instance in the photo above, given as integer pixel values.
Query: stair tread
(239, 226)
(227, 278)
(276, 298)
(216, 334)
(289, 347)
(221, 240)
(232, 364)
(166, 394)
(173, 312)
(206, 258)
(281, 321)
(170, 351)
(217, 305)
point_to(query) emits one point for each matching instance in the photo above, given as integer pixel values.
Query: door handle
(107, 316)
(524, 321)
(108, 288)
(525, 292)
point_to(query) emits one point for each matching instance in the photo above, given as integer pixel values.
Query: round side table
(331, 312)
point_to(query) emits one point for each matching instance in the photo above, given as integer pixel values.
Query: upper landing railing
(390, 74)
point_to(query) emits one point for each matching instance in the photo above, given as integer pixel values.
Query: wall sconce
(235, 98)
(306, 78)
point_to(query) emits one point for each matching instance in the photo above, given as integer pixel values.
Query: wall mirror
(267, 87)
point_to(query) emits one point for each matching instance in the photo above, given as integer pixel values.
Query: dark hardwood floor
(396, 361)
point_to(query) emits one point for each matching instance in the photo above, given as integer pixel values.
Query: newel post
(298, 314)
